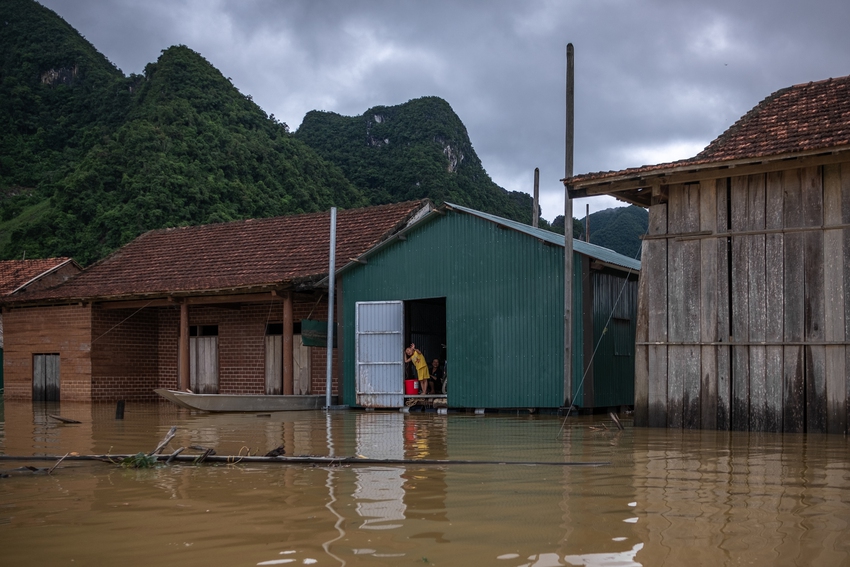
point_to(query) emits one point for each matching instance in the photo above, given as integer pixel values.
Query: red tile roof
(15, 273)
(233, 256)
(792, 120)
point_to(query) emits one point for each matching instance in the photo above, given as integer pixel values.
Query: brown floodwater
(665, 497)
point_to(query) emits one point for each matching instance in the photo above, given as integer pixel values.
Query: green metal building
(485, 296)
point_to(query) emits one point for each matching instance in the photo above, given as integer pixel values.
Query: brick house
(217, 308)
(743, 316)
(22, 276)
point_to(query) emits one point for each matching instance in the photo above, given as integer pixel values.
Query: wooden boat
(241, 402)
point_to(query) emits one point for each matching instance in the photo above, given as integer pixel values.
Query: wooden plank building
(743, 316)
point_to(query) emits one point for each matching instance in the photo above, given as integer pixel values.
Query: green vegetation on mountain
(192, 150)
(57, 94)
(410, 151)
(618, 228)
(90, 158)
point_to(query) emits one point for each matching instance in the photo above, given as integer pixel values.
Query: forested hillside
(618, 228)
(90, 158)
(409, 151)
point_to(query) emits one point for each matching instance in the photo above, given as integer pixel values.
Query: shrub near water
(139, 461)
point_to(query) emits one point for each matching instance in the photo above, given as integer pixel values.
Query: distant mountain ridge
(90, 158)
(409, 151)
(618, 228)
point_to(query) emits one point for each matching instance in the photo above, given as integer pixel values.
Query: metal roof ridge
(594, 250)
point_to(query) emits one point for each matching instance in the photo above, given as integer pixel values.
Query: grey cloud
(649, 75)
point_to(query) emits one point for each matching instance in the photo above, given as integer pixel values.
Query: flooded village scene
(227, 341)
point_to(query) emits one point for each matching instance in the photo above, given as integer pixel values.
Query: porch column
(183, 349)
(288, 388)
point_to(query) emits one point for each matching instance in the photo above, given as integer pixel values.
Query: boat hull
(241, 402)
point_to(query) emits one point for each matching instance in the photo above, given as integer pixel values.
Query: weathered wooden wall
(743, 322)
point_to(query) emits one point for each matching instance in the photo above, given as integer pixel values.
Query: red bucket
(411, 388)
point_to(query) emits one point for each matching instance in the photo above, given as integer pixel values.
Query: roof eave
(635, 187)
(307, 283)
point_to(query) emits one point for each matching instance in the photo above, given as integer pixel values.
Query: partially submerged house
(744, 319)
(214, 308)
(22, 276)
(485, 295)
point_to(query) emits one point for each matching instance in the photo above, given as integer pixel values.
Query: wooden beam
(173, 301)
(139, 304)
(654, 260)
(235, 298)
(640, 198)
(660, 194)
(715, 170)
(767, 231)
(834, 255)
(814, 320)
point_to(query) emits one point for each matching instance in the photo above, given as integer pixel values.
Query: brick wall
(241, 343)
(64, 330)
(124, 354)
(167, 336)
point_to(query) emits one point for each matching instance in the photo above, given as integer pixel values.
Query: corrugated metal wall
(614, 362)
(504, 312)
(504, 307)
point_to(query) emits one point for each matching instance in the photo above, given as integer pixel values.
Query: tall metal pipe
(568, 231)
(587, 224)
(535, 215)
(332, 280)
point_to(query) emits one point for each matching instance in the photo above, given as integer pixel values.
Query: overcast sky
(656, 80)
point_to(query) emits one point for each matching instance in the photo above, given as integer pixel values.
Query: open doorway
(382, 330)
(425, 326)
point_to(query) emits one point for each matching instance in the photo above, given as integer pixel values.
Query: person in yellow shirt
(418, 360)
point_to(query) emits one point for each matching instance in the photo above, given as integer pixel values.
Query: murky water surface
(667, 497)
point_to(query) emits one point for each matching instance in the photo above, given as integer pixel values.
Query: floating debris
(63, 419)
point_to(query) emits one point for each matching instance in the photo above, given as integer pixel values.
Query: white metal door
(379, 357)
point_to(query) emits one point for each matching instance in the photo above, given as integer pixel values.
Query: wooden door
(301, 366)
(274, 368)
(45, 377)
(203, 365)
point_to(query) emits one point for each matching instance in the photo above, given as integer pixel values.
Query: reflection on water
(737, 498)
